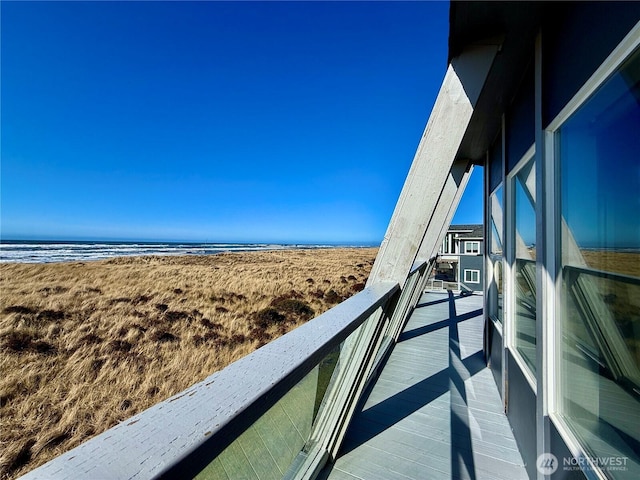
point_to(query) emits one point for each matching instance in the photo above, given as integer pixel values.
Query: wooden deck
(435, 411)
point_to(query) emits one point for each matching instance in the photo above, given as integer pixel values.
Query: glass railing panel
(279, 442)
(408, 298)
(335, 377)
(400, 311)
(326, 370)
(273, 446)
(268, 447)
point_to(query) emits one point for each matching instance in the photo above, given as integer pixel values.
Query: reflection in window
(598, 149)
(495, 255)
(525, 264)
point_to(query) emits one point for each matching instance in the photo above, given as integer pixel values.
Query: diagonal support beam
(450, 196)
(424, 197)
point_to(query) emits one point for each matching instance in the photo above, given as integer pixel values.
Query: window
(524, 240)
(472, 276)
(472, 247)
(495, 255)
(599, 300)
(447, 244)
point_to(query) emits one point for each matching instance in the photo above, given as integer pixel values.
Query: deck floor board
(434, 412)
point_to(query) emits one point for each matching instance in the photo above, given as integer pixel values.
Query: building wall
(573, 44)
(576, 41)
(520, 130)
(452, 251)
(467, 246)
(472, 262)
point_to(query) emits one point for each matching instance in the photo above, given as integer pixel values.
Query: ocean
(72, 251)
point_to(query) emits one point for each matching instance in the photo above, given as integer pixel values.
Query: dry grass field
(84, 346)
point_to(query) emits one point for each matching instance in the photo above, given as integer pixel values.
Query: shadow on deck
(434, 411)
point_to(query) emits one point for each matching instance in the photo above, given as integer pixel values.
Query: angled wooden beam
(445, 209)
(422, 195)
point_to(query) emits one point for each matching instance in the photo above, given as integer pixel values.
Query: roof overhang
(511, 25)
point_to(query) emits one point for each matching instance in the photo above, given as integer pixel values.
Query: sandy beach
(85, 345)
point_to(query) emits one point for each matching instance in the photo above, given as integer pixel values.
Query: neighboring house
(460, 258)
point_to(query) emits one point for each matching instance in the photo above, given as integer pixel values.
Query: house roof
(468, 231)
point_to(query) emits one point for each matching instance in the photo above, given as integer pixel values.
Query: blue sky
(215, 121)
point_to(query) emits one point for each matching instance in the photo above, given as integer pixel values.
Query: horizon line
(178, 241)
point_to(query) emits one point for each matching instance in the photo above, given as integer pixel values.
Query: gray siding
(472, 262)
(569, 56)
(520, 120)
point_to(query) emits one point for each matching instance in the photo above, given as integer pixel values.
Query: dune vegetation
(84, 346)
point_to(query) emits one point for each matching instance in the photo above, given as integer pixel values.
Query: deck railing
(280, 412)
(442, 285)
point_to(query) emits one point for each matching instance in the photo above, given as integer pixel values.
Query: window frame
(493, 259)
(550, 362)
(473, 251)
(472, 271)
(510, 259)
